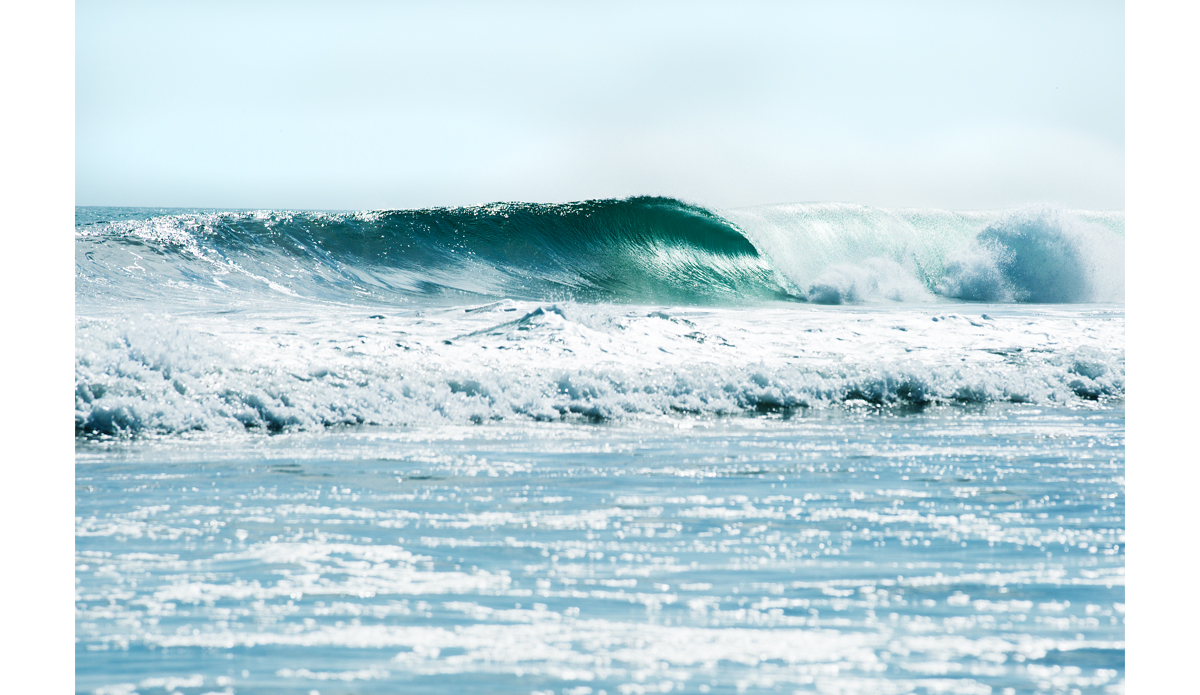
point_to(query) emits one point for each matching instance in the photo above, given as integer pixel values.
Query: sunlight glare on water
(946, 549)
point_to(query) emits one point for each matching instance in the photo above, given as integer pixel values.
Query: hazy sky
(961, 105)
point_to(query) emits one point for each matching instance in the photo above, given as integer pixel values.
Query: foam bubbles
(315, 367)
(876, 279)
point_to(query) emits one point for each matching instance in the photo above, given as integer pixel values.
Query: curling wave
(637, 250)
(634, 250)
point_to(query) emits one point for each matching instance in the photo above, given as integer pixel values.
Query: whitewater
(611, 446)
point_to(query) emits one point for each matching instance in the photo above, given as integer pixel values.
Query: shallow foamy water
(294, 365)
(931, 549)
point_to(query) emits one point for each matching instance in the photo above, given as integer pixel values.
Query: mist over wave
(1040, 255)
(835, 253)
(637, 250)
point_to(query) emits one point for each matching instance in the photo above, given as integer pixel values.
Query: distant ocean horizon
(610, 446)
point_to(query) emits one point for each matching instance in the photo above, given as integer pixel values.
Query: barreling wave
(637, 250)
(634, 250)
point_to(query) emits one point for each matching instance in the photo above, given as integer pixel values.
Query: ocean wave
(637, 250)
(1040, 255)
(842, 253)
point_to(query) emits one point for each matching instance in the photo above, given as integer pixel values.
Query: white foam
(875, 279)
(841, 253)
(1041, 255)
(314, 366)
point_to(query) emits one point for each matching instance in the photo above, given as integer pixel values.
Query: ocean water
(617, 446)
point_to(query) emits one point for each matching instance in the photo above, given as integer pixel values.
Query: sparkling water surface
(944, 549)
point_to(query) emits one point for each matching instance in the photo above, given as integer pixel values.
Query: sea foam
(316, 367)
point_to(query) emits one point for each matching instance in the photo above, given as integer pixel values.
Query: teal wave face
(634, 250)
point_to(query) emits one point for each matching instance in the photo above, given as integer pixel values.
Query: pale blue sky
(961, 105)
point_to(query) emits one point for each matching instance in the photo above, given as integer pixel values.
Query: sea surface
(614, 446)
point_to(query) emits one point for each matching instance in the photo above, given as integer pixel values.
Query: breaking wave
(1040, 256)
(634, 250)
(836, 253)
(637, 250)
(215, 320)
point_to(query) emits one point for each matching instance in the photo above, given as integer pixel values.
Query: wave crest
(637, 250)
